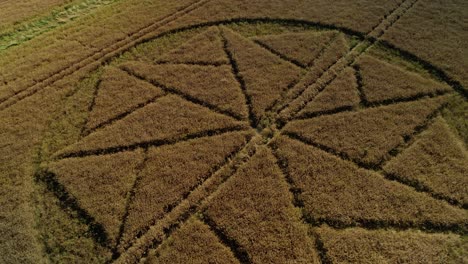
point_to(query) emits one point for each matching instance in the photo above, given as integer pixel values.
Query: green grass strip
(60, 17)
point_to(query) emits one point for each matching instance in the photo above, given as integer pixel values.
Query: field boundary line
(322, 250)
(191, 63)
(434, 70)
(236, 72)
(279, 55)
(184, 96)
(368, 105)
(87, 131)
(151, 143)
(421, 187)
(298, 203)
(129, 201)
(91, 106)
(240, 254)
(360, 87)
(426, 227)
(324, 113)
(68, 201)
(410, 139)
(282, 164)
(341, 155)
(100, 56)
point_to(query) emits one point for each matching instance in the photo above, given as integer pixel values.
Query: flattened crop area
(259, 142)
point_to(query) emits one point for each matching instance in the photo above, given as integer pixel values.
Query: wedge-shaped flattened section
(301, 48)
(382, 81)
(340, 93)
(357, 245)
(336, 49)
(437, 161)
(171, 172)
(255, 209)
(339, 192)
(210, 84)
(204, 48)
(169, 118)
(370, 134)
(193, 243)
(266, 76)
(117, 94)
(101, 185)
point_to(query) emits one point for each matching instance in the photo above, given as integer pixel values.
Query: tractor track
(100, 56)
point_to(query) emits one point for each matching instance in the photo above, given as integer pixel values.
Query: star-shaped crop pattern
(236, 148)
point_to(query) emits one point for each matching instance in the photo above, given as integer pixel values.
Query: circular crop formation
(266, 143)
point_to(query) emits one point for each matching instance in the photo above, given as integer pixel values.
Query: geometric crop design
(185, 157)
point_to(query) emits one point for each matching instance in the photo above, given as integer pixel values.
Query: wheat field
(216, 131)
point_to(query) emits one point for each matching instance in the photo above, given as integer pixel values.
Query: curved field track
(217, 131)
